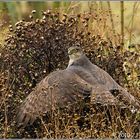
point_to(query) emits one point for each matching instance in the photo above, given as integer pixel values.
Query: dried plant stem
(101, 5)
(135, 8)
(111, 18)
(46, 129)
(122, 22)
(6, 121)
(7, 89)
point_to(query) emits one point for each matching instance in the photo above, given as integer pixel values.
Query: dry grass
(35, 48)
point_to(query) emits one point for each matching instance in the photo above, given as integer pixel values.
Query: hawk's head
(75, 52)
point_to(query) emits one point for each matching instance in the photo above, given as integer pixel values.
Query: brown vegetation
(35, 48)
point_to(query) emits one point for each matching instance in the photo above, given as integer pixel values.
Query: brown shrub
(38, 47)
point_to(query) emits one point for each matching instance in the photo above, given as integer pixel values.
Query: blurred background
(123, 16)
(109, 33)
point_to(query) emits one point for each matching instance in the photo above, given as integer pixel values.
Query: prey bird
(80, 79)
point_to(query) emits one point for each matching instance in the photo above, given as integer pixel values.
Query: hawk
(80, 79)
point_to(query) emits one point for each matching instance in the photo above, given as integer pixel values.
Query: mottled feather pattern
(79, 80)
(59, 88)
(100, 78)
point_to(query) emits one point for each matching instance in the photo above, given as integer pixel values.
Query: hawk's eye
(77, 49)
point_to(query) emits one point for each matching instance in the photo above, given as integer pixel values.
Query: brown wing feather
(104, 84)
(122, 95)
(102, 96)
(58, 88)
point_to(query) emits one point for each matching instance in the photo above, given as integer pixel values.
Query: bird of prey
(80, 79)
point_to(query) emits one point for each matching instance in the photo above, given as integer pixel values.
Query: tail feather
(122, 95)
